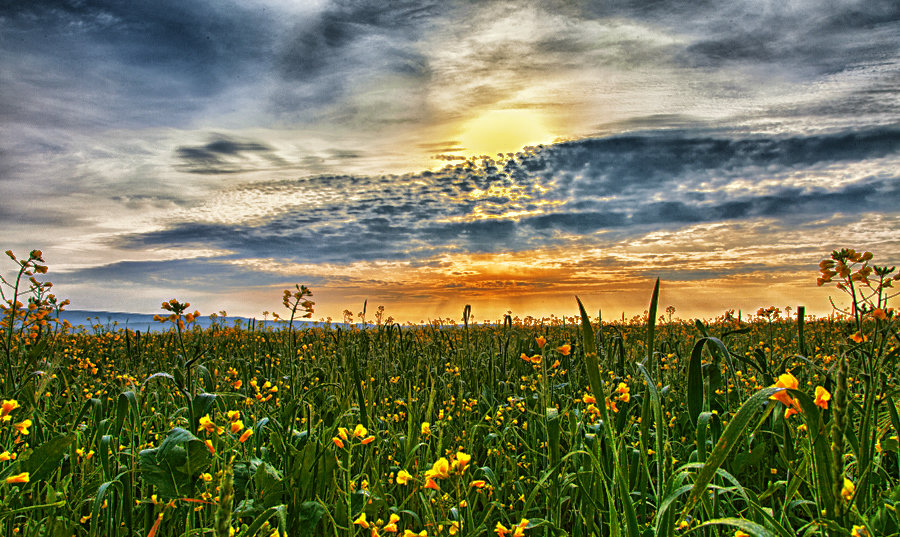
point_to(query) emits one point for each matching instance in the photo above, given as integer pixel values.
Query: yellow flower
(206, 424)
(361, 521)
(22, 426)
(564, 349)
(359, 431)
(858, 338)
(859, 531)
(391, 526)
(462, 460)
(18, 478)
(426, 428)
(236, 426)
(209, 446)
(206, 476)
(430, 483)
(520, 528)
(822, 397)
(739, 533)
(6, 456)
(403, 477)
(847, 490)
(8, 406)
(342, 432)
(367, 440)
(408, 533)
(501, 530)
(624, 392)
(440, 469)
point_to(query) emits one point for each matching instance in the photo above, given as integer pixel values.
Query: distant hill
(113, 320)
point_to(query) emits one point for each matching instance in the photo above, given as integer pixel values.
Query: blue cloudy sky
(426, 155)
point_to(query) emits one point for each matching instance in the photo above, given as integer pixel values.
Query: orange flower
(206, 424)
(18, 478)
(8, 406)
(236, 426)
(858, 338)
(785, 381)
(879, 313)
(247, 434)
(564, 349)
(367, 440)
(822, 397)
(431, 484)
(338, 442)
(209, 446)
(22, 426)
(541, 341)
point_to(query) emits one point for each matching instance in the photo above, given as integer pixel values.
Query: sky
(427, 155)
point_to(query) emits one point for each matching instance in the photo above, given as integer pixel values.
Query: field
(771, 424)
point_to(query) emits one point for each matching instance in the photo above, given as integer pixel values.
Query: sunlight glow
(504, 131)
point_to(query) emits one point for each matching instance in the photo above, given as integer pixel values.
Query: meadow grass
(767, 426)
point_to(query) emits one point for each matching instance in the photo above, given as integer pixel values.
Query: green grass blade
(651, 322)
(746, 526)
(735, 429)
(695, 382)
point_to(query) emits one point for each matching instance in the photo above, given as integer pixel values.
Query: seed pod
(226, 500)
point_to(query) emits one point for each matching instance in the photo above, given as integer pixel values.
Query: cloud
(225, 155)
(623, 186)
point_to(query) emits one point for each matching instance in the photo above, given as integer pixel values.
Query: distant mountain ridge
(113, 320)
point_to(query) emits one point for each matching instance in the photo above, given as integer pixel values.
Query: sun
(503, 131)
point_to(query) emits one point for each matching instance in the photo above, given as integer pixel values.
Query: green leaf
(174, 466)
(42, 461)
(310, 514)
(729, 439)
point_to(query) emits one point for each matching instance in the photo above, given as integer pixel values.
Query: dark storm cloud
(326, 40)
(122, 62)
(224, 155)
(625, 185)
(346, 45)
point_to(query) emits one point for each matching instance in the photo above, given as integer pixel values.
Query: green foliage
(566, 426)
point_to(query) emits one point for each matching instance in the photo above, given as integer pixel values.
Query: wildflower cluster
(178, 315)
(792, 406)
(868, 285)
